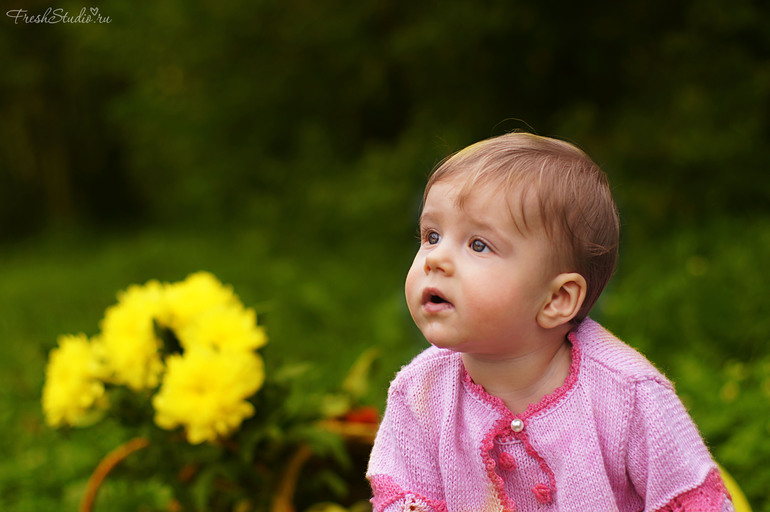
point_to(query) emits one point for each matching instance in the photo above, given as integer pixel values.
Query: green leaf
(356, 383)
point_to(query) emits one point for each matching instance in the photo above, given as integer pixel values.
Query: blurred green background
(283, 146)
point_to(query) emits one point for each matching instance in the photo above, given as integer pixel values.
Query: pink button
(507, 462)
(542, 493)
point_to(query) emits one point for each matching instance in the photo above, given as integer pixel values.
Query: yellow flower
(206, 392)
(186, 300)
(134, 361)
(73, 393)
(128, 342)
(225, 328)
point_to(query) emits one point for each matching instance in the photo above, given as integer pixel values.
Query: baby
(523, 403)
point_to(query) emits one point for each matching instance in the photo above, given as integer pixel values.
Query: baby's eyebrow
(426, 215)
(481, 225)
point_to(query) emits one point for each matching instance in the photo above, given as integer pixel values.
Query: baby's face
(477, 282)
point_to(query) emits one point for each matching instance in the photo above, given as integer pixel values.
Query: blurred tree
(60, 160)
(195, 111)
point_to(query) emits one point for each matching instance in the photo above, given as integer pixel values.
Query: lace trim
(707, 497)
(386, 492)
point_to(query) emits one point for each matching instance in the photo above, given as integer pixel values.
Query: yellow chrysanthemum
(188, 299)
(225, 328)
(133, 361)
(135, 310)
(128, 342)
(206, 392)
(73, 393)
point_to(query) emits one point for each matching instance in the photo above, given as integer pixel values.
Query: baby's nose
(439, 260)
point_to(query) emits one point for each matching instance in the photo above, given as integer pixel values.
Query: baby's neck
(522, 380)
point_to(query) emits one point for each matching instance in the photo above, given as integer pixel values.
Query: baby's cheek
(411, 289)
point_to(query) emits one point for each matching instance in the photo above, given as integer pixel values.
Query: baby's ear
(568, 291)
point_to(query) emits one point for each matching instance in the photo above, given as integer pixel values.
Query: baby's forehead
(521, 198)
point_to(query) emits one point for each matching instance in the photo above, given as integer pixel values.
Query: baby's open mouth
(433, 298)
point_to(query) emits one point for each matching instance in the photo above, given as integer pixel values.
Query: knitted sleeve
(667, 461)
(403, 470)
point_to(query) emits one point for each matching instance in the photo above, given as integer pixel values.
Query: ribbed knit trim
(387, 492)
(502, 429)
(708, 496)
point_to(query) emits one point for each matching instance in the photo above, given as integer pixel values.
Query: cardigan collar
(547, 402)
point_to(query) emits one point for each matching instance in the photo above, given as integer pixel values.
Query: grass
(62, 284)
(694, 301)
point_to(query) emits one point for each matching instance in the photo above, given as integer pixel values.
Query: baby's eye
(432, 237)
(479, 246)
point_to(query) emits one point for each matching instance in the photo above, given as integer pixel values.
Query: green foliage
(64, 283)
(283, 146)
(202, 112)
(694, 301)
(681, 298)
(245, 468)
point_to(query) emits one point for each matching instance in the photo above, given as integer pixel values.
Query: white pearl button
(517, 425)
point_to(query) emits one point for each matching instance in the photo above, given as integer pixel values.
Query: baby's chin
(443, 341)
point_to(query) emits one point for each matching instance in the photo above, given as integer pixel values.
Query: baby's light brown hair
(572, 193)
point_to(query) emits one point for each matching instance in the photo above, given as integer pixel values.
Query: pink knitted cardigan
(613, 437)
